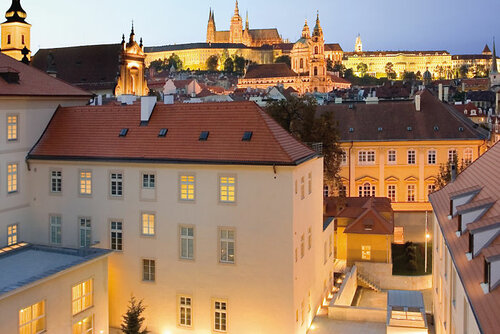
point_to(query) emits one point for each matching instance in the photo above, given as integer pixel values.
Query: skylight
(247, 136)
(123, 132)
(204, 135)
(162, 133)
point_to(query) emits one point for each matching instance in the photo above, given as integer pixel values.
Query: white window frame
(411, 192)
(79, 299)
(12, 128)
(227, 188)
(187, 187)
(86, 229)
(85, 182)
(343, 158)
(116, 235)
(411, 157)
(55, 229)
(431, 157)
(391, 157)
(468, 155)
(366, 157)
(79, 328)
(452, 152)
(392, 192)
(185, 308)
(12, 177)
(27, 325)
(225, 242)
(55, 181)
(366, 252)
(220, 315)
(148, 270)
(148, 227)
(186, 242)
(116, 184)
(148, 180)
(367, 190)
(12, 234)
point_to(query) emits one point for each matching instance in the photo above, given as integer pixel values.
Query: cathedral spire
(494, 68)
(317, 28)
(236, 9)
(247, 24)
(132, 33)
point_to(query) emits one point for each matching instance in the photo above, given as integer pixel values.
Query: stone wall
(349, 313)
(347, 290)
(381, 274)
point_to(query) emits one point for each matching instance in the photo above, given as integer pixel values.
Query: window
(452, 155)
(431, 157)
(55, 181)
(12, 127)
(85, 326)
(309, 238)
(148, 181)
(296, 188)
(187, 187)
(411, 190)
(366, 157)
(22, 39)
(85, 232)
(12, 234)
(412, 159)
(301, 59)
(148, 270)
(343, 158)
(12, 178)
(431, 188)
(55, 230)
(32, 319)
(220, 316)
(226, 242)
(391, 192)
(366, 252)
(116, 230)
(185, 311)
(302, 190)
(399, 235)
(187, 242)
(81, 296)
(468, 155)
(227, 189)
(302, 246)
(326, 190)
(85, 182)
(148, 224)
(366, 190)
(9, 39)
(343, 190)
(309, 183)
(391, 156)
(116, 184)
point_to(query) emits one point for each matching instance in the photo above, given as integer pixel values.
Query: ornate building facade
(15, 32)
(238, 35)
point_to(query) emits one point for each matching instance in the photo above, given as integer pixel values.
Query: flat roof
(24, 263)
(403, 298)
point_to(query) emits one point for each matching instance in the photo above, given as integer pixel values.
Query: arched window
(315, 70)
(301, 62)
(366, 190)
(316, 50)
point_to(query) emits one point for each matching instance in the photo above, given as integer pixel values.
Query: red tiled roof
(33, 82)
(278, 70)
(91, 133)
(333, 47)
(484, 173)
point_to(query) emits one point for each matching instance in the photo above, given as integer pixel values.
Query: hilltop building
(15, 32)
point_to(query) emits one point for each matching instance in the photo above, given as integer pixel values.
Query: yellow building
(364, 228)
(395, 149)
(15, 32)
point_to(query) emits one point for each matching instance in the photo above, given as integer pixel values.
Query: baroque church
(238, 35)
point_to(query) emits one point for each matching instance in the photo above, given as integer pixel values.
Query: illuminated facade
(132, 65)
(15, 32)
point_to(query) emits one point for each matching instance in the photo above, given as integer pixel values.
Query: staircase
(368, 282)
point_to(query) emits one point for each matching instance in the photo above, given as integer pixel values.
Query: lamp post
(427, 237)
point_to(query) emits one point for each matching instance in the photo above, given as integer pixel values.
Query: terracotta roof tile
(278, 70)
(89, 133)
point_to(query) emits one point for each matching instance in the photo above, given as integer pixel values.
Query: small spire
(236, 9)
(140, 44)
(132, 33)
(123, 38)
(494, 67)
(247, 24)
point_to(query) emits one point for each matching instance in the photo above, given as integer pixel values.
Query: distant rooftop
(24, 263)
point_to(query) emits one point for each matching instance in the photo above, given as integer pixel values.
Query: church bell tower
(236, 30)
(15, 32)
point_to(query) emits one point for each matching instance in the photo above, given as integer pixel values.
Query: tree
(212, 63)
(284, 59)
(239, 64)
(298, 116)
(463, 71)
(174, 61)
(339, 68)
(362, 69)
(409, 76)
(133, 319)
(389, 70)
(444, 176)
(348, 73)
(329, 65)
(228, 65)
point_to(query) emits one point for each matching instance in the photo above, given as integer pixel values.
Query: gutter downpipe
(349, 174)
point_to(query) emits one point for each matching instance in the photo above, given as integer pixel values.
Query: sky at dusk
(459, 26)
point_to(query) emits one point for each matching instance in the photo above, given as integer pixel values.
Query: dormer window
(462, 197)
(472, 212)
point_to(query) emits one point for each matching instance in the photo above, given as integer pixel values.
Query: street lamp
(427, 237)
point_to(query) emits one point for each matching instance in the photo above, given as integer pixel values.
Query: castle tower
(317, 67)
(132, 68)
(236, 30)
(358, 47)
(247, 38)
(211, 29)
(15, 32)
(494, 75)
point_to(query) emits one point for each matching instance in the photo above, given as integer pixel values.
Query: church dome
(15, 13)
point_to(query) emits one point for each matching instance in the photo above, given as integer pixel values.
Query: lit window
(85, 182)
(12, 127)
(431, 157)
(148, 270)
(302, 246)
(391, 156)
(185, 311)
(148, 224)
(116, 230)
(326, 190)
(343, 158)
(85, 232)
(302, 188)
(148, 181)
(220, 316)
(12, 178)
(452, 155)
(226, 244)
(55, 181)
(309, 238)
(32, 319)
(366, 252)
(228, 189)
(81, 296)
(187, 187)
(309, 183)
(366, 190)
(85, 326)
(411, 190)
(366, 157)
(468, 155)
(412, 157)
(431, 188)
(55, 230)
(391, 192)
(187, 242)
(116, 184)
(12, 237)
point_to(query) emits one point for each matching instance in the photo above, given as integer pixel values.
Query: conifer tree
(133, 319)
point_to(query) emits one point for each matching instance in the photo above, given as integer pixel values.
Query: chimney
(168, 99)
(417, 102)
(440, 92)
(453, 172)
(147, 105)
(446, 93)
